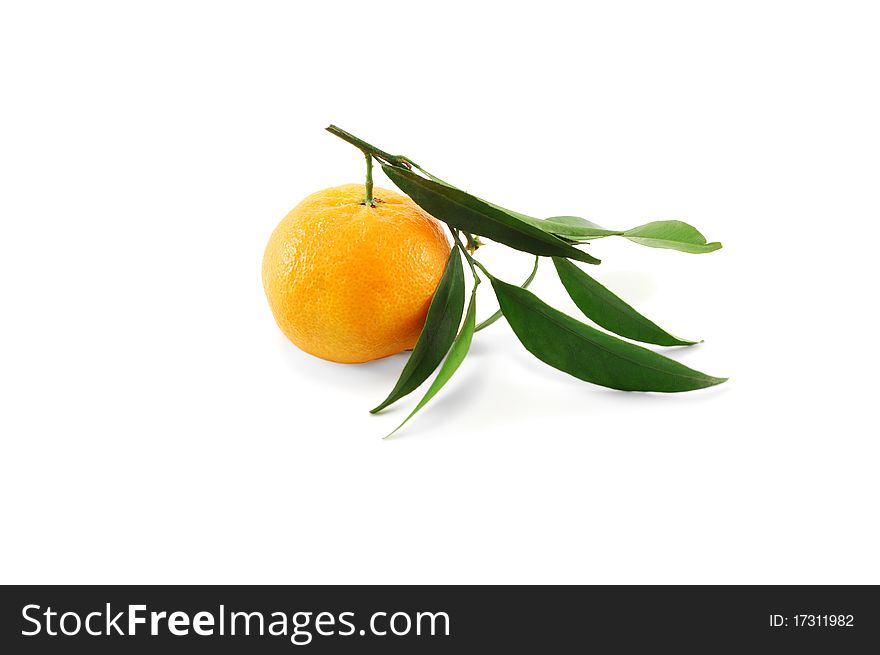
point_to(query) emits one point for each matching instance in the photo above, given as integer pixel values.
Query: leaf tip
(588, 258)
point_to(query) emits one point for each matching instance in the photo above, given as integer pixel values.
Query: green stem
(368, 198)
(481, 267)
(367, 148)
(482, 325)
(470, 260)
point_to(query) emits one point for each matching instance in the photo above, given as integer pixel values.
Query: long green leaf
(575, 228)
(525, 285)
(675, 235)
(609, 311)
(437, 336)
(471, 214)
(453, 360)
(588, 354)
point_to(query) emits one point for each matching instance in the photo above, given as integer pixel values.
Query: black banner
(417, 619)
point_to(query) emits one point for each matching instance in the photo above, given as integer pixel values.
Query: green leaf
(609, 311)
(576, 228)
(675, 235)
(525, 285)
(575, 222)
(588, 354)
(453, 360)
(437, 336)
(471, 214)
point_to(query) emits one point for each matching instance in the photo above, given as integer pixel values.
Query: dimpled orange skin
(352, 283)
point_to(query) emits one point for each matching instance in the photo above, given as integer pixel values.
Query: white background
(157, 427)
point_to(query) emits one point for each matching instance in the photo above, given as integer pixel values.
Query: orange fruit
(349, 282)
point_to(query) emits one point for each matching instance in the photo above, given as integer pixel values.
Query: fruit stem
(368, 198)
(366, 148)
